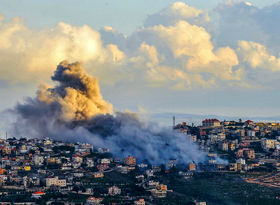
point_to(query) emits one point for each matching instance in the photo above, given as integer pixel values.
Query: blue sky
(197, 56)
(125, 15)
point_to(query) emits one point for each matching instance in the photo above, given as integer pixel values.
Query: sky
(197, 56)
(125, 15)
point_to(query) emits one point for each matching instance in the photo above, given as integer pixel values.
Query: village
(45, 171)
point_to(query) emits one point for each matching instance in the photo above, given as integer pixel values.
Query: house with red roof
(140, 202)
(211, 123)
(249, 122)
(38, 194)
(94, 201)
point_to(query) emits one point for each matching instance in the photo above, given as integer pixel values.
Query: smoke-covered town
(47, 171)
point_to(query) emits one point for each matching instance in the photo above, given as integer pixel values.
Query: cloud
(110, 35)
(178, 11)
(115, 54)
(257, 56)
(239, 20)
(182, 54)
(38, 51)
(180, 47)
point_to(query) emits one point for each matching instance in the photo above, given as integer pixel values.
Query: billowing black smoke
(74, 110)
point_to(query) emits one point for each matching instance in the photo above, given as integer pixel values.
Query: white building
(93, 201)
(38, 160)
(267, 144)
(140, 202)
(55, 182)
(114, 190)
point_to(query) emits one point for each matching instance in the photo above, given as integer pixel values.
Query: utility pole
(173, 121)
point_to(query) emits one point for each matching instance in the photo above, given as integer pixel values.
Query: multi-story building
(130, 161)
(223, 146)
(55, 181)
(114, 190)
(249, 153)
(98, 175)
(140, 202)
(246, 153)
(211, 123)
(192, 166)
(267, 144)
(38, 160)
(93, 201)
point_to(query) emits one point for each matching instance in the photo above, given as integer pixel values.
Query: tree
(76, 189)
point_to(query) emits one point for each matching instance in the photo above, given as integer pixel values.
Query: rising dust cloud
(74, 110)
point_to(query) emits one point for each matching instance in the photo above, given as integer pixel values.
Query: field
(218, 189)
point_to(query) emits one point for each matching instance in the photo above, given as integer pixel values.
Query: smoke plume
(74, 110)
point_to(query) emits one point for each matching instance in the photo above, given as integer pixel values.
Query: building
(2, 171)
(51, 160)
(251, 133)
(241, 161)
(130, 161)
(249, 122)
(162, 187)
(193, 138)
(192, 166)
(200, 203)
(249, 153)
(77, 159)
(211, 123)
(102, 167)
(30, 181)
(246, 153)
(38, 160)
(232, 146)
(158, 193)
(221, 136)
(93, 201)
(140, 202)
(202, 132)
(90, 162)
(38, 194)
(153, 184)
(27, 168)
(114, 190)
(233, 167)
(267, 144)
(223, 146)
(54, 181)
(105, 161)
(98, 175)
